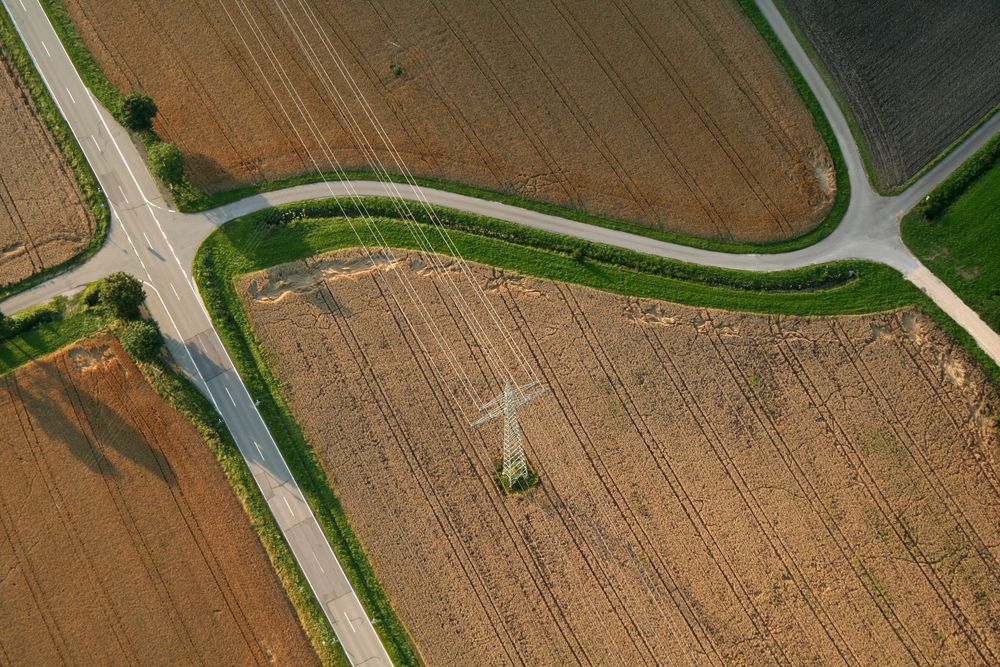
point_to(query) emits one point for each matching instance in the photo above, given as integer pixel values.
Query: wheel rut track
(614, 493)
(574, 532)
(197, 533)
(802, 479)
(138, 540)
(410, 455)
(571, 104)
(34, 588)
(629, 99)
(45, 470)
(867, 480)
(644, 433)
(914, 450)
(508, 100)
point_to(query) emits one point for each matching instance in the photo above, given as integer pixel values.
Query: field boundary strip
(189, 200)
(68, 149)
(68, 321)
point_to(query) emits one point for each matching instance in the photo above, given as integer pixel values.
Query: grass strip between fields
(956, 232)
(189, 199)
(852, 122)
(289, 233)
(45, 329)
(68, 147)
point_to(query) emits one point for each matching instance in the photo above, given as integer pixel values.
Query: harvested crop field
(121, 541)
(44, 219)
(676, 116)
(717, 488)
(916, 75)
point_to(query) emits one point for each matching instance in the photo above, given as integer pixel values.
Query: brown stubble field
(121, 541)
(44, 219)
(717, 488)
(673, 115)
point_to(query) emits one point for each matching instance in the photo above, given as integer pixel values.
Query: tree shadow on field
(206, 174)
(61, 424)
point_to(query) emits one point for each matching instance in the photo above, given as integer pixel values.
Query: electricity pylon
(505, 405)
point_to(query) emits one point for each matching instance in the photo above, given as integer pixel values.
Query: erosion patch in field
(729, 488)
(121, 540)
(44, 218)
(915, 75)
(677, 117)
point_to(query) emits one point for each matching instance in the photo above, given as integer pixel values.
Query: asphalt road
(159, 245)
(149, 241)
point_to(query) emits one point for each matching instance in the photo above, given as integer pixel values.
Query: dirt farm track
(44, 219)
(120, 539)
(717, 488)
(690, 124)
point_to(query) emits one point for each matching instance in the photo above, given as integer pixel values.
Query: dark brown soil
(916, 74)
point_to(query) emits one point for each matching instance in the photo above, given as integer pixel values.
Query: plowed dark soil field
(44, 219)
(717, 488)
(916, 75)
(120, 539)
(674, 115)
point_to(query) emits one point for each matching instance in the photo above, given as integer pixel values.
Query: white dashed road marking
(349, 622)
(259, 451)
(72, 99)
(288, 506)
(46, 49)
(123, 194)
(99, 149)
(316, 558)
(175, 291)
(230, 397)
(148, 244)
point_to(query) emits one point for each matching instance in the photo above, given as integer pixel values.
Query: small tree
(3, 325)
(141, 339)
(166, 161)
(122, 294)
(137, 111)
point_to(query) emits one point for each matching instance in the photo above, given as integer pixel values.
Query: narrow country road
(158, 245)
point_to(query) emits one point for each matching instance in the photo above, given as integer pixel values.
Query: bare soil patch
(120, 539)
(44, 219)
(916, 75)
(673, 115)
(717, 488)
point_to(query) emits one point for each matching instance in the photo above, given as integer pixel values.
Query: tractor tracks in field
(866, 479)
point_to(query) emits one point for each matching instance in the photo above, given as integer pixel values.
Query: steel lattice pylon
(505, 405)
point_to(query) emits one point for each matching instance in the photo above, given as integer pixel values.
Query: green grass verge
(68, 147)
(51, 326)
(264, 239)
(44, 329)
(961, 245)
(189, 199)
(852, 122)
